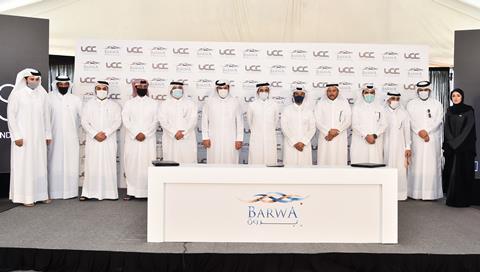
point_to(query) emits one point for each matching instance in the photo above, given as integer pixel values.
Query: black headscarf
(459, 108)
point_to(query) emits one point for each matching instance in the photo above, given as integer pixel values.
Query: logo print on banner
(395, 71)
(183, 51)
(249, 84)
(320, 84)
(158, 82)
(412, 56)
(278, 69)
(204, 84)
(344, 55)
(276, 84)
(415, 72)
(227, 52)
(323, 54)
(87, 80)
(4, 100)
(366, 55)
(410, 87)
(88, 49)
(113, 65)
(275, 53)
(390, 86)
(91, 65)
(184, 67)
(137, 66)
(390, 56)
(347, 70)
(209, 67)
(300, 69)
(298, 54)
(282, 209)
(204, 52)
(369, 71)
(112, 50)
(251, 53)
(135, 50)
(230, 68)
(253, 68)
(158, 51)
(324, 70)
(160, 66)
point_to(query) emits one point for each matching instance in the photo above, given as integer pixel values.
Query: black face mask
(298, 99)
(63, 90)
(142, 92)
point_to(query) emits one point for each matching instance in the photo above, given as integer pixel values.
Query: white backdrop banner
(199, 64)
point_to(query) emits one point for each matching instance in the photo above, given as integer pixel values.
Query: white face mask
(102, 94)
(394, 104)
(423, 95)
(263, 95)
(223, 93)
(33, 85)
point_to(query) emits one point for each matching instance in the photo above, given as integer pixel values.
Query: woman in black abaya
(459, 151)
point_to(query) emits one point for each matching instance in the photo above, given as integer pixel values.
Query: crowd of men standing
(45, 136)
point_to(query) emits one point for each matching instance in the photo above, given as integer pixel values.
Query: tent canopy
(429, 22)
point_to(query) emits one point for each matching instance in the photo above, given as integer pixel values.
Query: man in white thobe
(139, 117)
(101, 118)
(426, 119)
(30, 132)
(397, 141)
(262, 117)
(368, 125)
(178, 118)
(298, 127)
(333, 116)
(64, 152)
(222, 126)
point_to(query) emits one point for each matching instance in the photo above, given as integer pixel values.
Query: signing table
(245, 203)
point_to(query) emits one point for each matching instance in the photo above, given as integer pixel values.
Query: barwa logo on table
(274, 208)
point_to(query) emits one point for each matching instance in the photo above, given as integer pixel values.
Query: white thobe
(262, 117)
(396, 141)
(222, 124)
(333, 114)
(139, 115)
(367, 118)
(174, 115)
(425, 180)
(64, 151)
(298, 125)
(28, 119)
(101, 157)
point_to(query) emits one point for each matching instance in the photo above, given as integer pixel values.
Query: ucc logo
(412, 55)
(319, 84)
(136, 49)
(113, 65)
(160, 66)
(249, 99)
(275, 53)
(392, 71)
(114, 96)
(206, 67)
(226, 52)
(202, 99)
(300, 69)
(276, 84)
(409, 86)
(321, 54)
(346, 70)
(253, 68)
(87, 79)
(180, 51)
(89, 48)
(366, 55)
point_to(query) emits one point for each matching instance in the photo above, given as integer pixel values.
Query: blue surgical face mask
(369, 98)
(177, 93)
